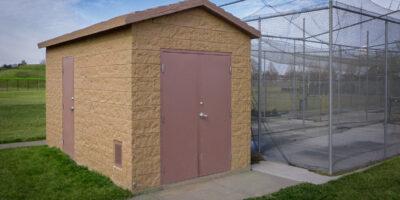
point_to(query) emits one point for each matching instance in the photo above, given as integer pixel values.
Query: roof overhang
(150, 14)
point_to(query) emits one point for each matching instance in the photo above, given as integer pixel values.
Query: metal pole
(378, 90)
(330, 85)
(259, 88)
(294, 79)
(279, 14)
(231, 3)
(385, 127)
(367, 81)
(303, 102)
(359, 93)
(319, 89)
(339, 83)
(265, 85)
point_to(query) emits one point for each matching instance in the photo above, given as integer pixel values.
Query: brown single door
(195, 114)
(178, 120)
(214, 124)
(68, 105)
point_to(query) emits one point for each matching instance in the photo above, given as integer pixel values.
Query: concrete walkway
(292, 173)
(23, 144)
(232, 187)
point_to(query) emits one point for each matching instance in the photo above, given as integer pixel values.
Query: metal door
(68, 105)
(214, 124)
(178, 121)
(195, 114)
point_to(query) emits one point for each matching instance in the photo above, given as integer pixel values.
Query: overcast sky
(24, 23)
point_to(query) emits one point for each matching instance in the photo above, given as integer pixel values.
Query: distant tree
(289, 71)
(23, 62)
(5, 66)
(272, 73)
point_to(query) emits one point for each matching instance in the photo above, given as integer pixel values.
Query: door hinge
(162, 68)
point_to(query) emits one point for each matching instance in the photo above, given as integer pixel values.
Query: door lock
(203, 115)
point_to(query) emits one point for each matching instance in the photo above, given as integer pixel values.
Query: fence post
(385, 125)
(303, 101)
(367, 84)
(259, 89)
(330, 138)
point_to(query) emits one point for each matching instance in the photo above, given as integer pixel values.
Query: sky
(24, 23)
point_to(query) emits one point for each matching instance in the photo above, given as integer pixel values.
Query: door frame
(168, 50)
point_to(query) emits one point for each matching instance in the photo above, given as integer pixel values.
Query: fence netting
(297, 105)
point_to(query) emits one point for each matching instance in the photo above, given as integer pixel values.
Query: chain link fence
(8, 84)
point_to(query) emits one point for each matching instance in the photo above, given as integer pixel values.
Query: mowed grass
(379, 182)
(22, 112)
(27, 71)
(22, 115)
(282, 100)
(46, 173)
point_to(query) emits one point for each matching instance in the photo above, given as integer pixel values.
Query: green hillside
(22, 104)
(24, 72)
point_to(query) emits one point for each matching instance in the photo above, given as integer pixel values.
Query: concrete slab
(22, 144)
(356, 143)
(292, 173)
(236, 186)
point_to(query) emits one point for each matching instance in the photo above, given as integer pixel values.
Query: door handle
(72, 108)
(203, 115)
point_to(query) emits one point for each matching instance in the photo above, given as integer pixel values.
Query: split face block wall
(195, 30)
(103, 101)
(117, 92)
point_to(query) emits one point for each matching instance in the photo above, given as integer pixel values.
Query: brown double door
(68, 105)
(195, 114)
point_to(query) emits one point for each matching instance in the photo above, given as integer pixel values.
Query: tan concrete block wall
(194, 29)
(103, 101)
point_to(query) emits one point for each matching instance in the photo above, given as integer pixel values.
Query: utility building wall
(103, 101)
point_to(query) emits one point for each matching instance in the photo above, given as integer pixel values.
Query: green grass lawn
(22, 115)
(47, 173)
(282, 100)
(27, 71)
(22, 109)
(379, 182)
(23, 78)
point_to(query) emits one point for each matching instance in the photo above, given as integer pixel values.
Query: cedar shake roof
(153, 13)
